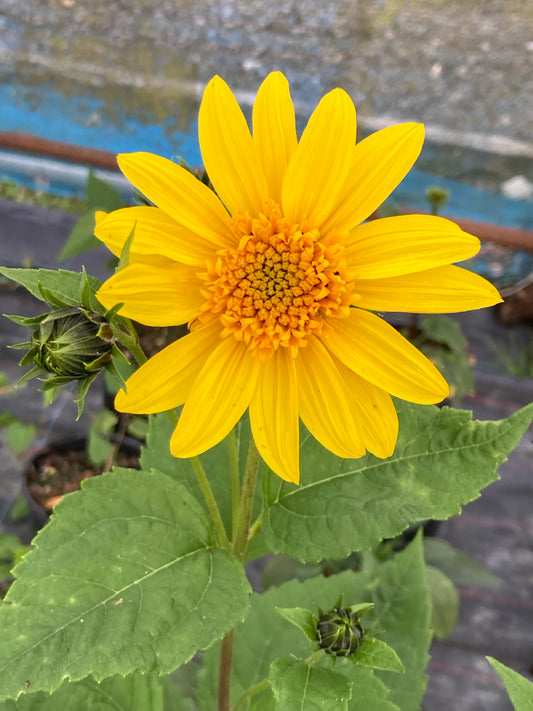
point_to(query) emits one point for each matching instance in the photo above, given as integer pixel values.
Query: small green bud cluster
(339, 631)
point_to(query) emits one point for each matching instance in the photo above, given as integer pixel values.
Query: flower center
(274, 288)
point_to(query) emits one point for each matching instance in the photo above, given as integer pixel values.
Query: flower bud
(71, 342)
(339, 632)
(437, 197)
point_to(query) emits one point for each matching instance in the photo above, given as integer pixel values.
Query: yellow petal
(274, 416)
(376, 351)
(274, 127)
(325, 404)
(220, 395)
(229, 152)
(379, 163)
(320, 164)
(155, 233)
(156, 292)
(165, 380)
(180, 194)
(447, 289)
(374, 410)
(406, 244)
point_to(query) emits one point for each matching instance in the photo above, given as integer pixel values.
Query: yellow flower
(278, 276)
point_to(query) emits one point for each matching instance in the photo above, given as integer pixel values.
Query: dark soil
(58, 471)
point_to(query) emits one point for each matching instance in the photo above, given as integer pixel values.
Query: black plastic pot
(59, 468)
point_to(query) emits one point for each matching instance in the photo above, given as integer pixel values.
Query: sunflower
(278, 276)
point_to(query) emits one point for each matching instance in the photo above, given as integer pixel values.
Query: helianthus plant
(287, 376)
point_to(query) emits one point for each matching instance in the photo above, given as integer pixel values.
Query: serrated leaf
(81, 237)
(444, 602)
(131, 693)
(399, 591)
(403, 611)
(123, 579)
(441, 462)
(297, 685)
(66, 286)
(376, 654)
(302, 618)
(462, 569)
(519, 688)
(156, 454)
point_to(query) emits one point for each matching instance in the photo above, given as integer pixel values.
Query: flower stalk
(210, 500)
(241, 527)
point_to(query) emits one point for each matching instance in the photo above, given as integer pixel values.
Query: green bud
(437, 197)
(339, 631)
(71, 342)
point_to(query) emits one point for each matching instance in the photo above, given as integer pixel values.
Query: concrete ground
(497, 529)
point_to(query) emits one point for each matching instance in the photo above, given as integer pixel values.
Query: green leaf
(403, 611)
(215, 462)
(179, 688)
(125, 253)
(20, 435)
(101, 195)
(399, 591)
(19, 509)
(66, 287)
(302, 618)
(297, 685)
(131, 693)
(81, 237)
(123, 579)
(376, 654)
(6, 417)
(455, 367)
(280, 568)
(9, 546)
(444, 602)
(99, 447)
(369, 693)
(445, 330)
(441, 462)
(462, 569)
(138, 427)
(519, 688)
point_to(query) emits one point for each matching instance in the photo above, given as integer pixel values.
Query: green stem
(314, 657)
(138, 353)
(252, 691)
(240, 539)
(210, 500)
(235, 479)
(247, 499)
(255, 527)
(131, 341)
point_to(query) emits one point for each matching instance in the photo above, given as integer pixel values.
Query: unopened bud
(71, 342)
(339, 631)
